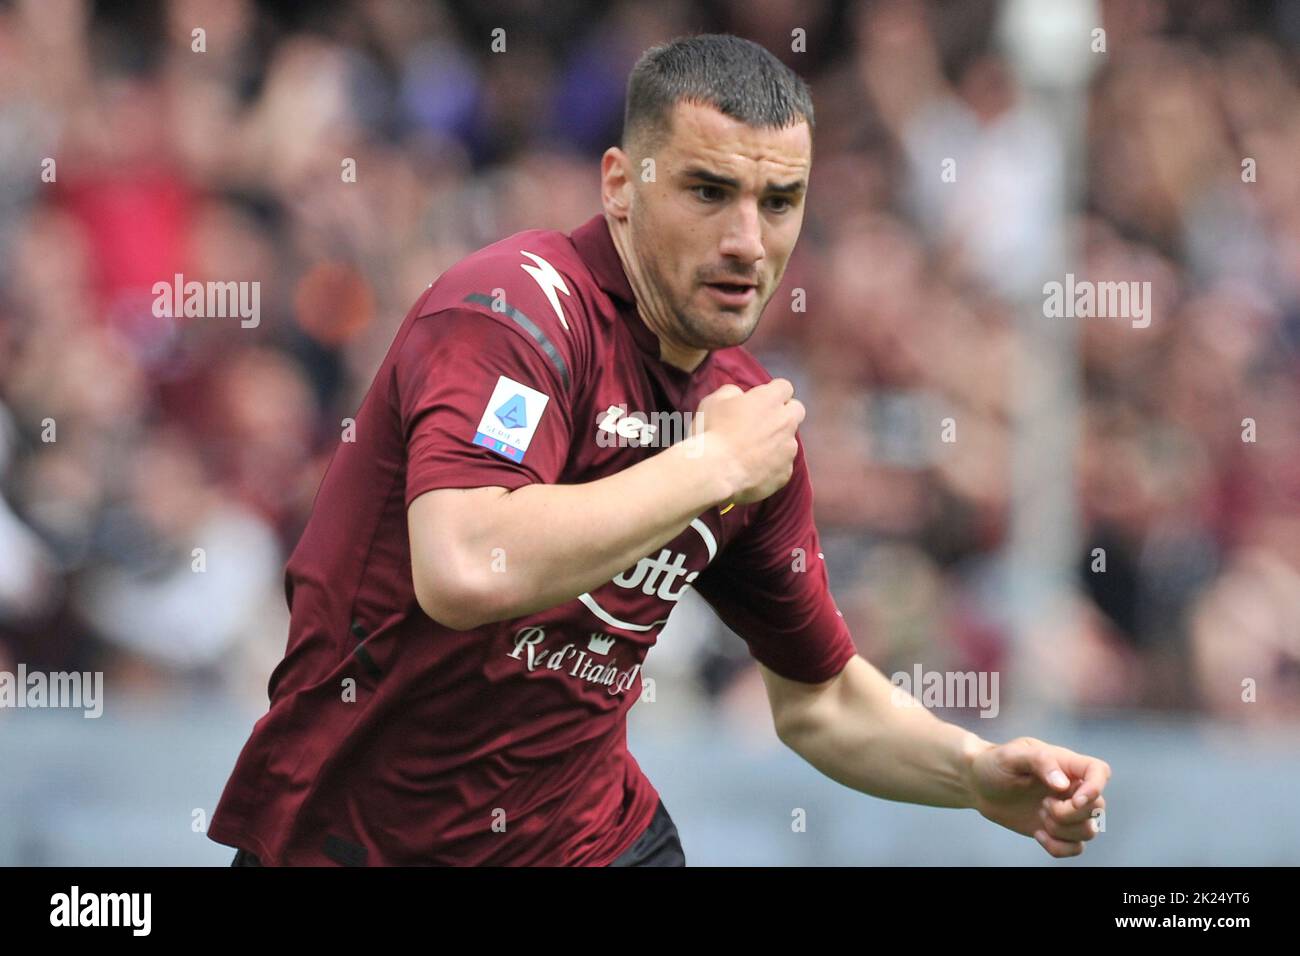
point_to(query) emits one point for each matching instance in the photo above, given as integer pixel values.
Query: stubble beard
(700, 331)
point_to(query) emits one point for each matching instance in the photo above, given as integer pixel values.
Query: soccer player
(564, 436)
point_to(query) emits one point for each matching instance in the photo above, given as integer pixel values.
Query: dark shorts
(658, 845)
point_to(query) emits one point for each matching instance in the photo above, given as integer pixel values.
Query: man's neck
(650, 307)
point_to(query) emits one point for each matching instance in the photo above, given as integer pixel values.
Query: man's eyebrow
(699, 172)
(794, 187)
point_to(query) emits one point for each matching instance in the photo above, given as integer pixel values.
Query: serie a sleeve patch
(510, 419)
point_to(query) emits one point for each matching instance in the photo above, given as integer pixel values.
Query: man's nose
(743, 239)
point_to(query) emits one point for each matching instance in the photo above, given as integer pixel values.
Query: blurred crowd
(128, 440)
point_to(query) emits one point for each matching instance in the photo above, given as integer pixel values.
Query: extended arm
(853, 729)
(864, 732)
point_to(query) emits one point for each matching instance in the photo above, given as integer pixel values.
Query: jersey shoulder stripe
(529, 326)
(533, 281)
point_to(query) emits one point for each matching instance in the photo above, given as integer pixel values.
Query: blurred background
(965, 153)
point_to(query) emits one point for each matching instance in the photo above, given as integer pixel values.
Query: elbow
(787, 729)
(803, 721)
(456, 615)
(454, 574)
(460, 600)
(804, 735)
(801, 710)
(788, 734)
(463, 597)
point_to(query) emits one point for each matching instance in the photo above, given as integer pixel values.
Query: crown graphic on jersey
(513, 414)
(600, 643)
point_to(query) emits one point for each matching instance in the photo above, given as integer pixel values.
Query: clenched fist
(752, 435)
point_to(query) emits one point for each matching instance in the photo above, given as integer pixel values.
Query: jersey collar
(596, 247)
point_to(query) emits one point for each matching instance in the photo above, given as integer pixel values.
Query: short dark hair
(733, 75)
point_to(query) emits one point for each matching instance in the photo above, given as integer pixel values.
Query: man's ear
(616, 182)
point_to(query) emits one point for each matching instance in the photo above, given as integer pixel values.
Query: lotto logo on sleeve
(510, 419)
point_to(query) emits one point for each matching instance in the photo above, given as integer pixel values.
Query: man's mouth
(734, 293)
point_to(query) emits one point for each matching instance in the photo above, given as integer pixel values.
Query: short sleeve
(480, 405)
(770, 586)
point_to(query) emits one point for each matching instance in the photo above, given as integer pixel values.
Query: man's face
(715, 228)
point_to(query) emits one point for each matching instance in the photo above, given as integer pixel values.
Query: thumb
(1031, 756)
(726, 391)
(1047, 769)
(730, 390)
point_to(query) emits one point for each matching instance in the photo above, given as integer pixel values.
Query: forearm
(863, 733)
(547, 544)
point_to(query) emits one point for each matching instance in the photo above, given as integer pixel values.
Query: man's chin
(725, 330)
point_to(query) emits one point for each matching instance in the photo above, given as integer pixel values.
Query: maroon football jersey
(391, 739)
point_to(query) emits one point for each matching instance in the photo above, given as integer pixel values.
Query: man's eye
(707, 193)
(780, 204)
